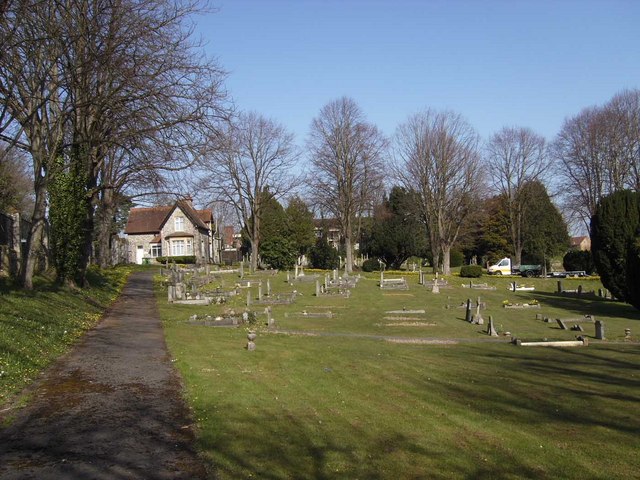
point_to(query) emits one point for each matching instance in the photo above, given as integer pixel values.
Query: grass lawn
(37, 327)
(335, 398)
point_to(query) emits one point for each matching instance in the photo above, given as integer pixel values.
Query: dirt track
(111, 409)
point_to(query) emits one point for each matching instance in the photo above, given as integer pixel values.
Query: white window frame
(179, 224)
(177, 247)
(156, 250)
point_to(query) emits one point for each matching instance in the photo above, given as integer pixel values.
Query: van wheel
(498, 273)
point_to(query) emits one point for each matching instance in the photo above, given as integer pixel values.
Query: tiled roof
(146, 220)
(150, 220)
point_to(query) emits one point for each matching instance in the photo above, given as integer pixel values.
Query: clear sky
(498, 63)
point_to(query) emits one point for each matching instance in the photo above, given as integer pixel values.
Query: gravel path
(111, 409)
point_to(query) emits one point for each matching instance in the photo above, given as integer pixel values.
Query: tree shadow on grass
(587, 305)
(292, 447)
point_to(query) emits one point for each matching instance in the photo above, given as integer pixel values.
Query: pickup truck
(505, 267)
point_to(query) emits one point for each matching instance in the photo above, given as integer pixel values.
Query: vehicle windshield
(504, 262)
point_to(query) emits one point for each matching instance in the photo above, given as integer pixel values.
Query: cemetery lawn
(39, 326)
(366, 394)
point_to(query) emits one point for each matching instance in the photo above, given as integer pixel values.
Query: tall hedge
(615, 228)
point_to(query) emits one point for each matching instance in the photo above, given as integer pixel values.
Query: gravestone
(561, 324)
(251, 345)
(248, 297)
(491, 330)
(600, 330)
(435, 288)
(317, 288)
(260, 292)
(268, 288)
(477, 318)
(467, 315)
(560, 289)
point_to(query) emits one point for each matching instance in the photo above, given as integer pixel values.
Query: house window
(179, 224)
(156, 250)
(177, 248)
(189, 247)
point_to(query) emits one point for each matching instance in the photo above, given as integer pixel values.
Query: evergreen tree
(615, 232)
(545, 231)
(323, 255)
(397, 232)
(300, 225)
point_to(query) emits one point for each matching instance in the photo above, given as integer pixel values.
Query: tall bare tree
(252, 156)
(436, 155)
(110, 81)
(624, 114)
(516, 157)
(33, 102)
(590, 163)
(346, 174)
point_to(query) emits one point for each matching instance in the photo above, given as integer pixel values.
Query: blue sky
(498, 63)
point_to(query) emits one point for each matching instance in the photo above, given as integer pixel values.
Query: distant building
(172, 231)
(331, 229)
(581, 243)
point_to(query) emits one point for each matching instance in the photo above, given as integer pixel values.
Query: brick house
(172, 231)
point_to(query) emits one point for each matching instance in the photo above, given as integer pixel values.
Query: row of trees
(106, 99)
(435, 158)
(109, 100)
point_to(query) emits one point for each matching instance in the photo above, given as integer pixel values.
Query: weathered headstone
(288, 277)
(435, 288)
(579, 289)
(260, 291)
(251, 336)
(491, 330)
(467, 315)
(268, 288)
(242, 269)
(600, 330)
(477, 318)
(577, 328)
(560, 289)
(317, 288)
(270, 320)
(561, 324)
(248, 297)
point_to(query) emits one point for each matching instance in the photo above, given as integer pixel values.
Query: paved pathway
(111, 409)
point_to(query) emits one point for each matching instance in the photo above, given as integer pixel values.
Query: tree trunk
(446, 259)
(348, 261)
(36, 235)
(104, 225)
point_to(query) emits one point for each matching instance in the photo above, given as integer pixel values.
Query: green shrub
(578, 260)
(183, 260)
(371, 265)
(456, 258)
(471, 271)
(323, 255)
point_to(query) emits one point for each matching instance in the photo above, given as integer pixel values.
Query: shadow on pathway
(111, 409)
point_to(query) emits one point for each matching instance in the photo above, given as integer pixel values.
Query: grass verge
(38, 326)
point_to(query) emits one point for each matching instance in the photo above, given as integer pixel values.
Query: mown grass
(38, 326)
(333, 399)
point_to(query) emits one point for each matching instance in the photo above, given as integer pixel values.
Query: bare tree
(33, 102)
(590, 163)
(436, 156)
(516, 157)
(624, 115)
(253, 157)
(346, 166)
(117, 90)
